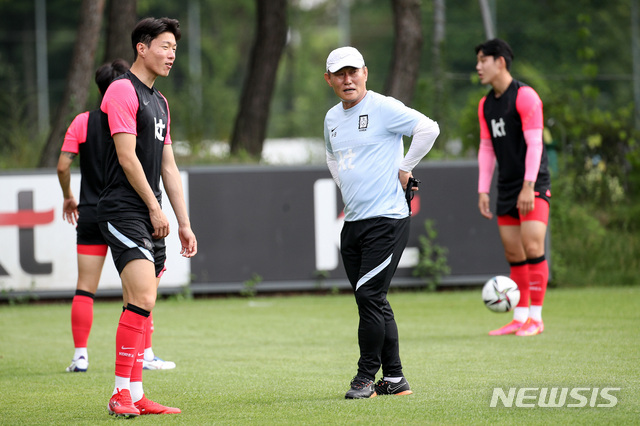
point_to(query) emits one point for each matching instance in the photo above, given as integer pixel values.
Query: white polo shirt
(366, 141)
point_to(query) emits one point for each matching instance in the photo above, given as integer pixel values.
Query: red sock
(136, 371)
(81, 318)
(148, 330)
(129, 338)
(539, 277)
(520, 274)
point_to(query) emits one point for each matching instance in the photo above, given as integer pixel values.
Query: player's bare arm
(483, 205)
(69, 205)
(125, 144)
(173, 187)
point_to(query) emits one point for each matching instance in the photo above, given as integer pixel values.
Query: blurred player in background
(363, 137)
(85, 136)
(511, 125)
(137, 154)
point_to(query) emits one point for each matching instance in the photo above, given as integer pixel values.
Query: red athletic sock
(148, 330)
(539, 277)
(520, 274)
(129, 338)
(81, 318)
(136, 371)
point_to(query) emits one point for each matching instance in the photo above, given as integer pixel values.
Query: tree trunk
(122, 18)
(79, 77)
(407, 47)
(439, 101)
(251, 122)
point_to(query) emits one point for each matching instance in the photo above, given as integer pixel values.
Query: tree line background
(247, 70)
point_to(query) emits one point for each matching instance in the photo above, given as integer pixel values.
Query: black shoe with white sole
(385, 387)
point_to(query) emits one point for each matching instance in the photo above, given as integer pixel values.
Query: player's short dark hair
(108, 72)
(497, 48)
(148, 29)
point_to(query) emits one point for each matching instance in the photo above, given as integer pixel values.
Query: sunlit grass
(289, 360)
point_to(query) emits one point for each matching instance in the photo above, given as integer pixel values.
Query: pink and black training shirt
(504, 120)
(129, 106)
(86, 137)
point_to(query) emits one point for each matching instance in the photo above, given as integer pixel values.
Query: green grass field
(289, 360)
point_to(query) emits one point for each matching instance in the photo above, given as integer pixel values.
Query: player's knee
(148, 302)
(533, 250)
(514, 256)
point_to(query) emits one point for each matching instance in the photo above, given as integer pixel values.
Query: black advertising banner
(280, 226)
(269, 228)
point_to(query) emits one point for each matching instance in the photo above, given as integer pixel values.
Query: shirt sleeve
(120, 103)
(529, 106)
(76, 133)
(484, 129)
(486, 165)
(486, 154)
(424, 136)
(332, 163)
(400, 118)
(533, 139)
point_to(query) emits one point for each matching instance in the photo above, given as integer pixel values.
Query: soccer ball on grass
(500, 294)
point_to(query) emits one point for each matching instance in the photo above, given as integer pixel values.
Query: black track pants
(371, 250)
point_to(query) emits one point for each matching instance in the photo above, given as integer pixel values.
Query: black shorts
(131, 239)
(88, 233)
(371, 250)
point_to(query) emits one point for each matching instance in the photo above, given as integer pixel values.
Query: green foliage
(469, 126)
(24, 298)
(249, 286)
(20, 144)
(184, 294)
(597, 139)
(592, 244)
(204, 108)
(432, 262)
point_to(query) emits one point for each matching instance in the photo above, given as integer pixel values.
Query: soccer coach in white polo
(363, 136)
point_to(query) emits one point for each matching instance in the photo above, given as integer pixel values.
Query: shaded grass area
(288, 360)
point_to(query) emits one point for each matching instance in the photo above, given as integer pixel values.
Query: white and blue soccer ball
(500, 294)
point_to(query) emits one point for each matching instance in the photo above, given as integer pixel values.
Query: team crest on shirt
(363, 122)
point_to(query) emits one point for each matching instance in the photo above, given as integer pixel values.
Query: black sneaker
(361, 388)
(384, 387)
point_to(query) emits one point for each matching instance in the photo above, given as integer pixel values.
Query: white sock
(148, 354)
(535, 312)
(121, 383)
(136, 391)
(81, 352)
(521, 313)
(392, 379)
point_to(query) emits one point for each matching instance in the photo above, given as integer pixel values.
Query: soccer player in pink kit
(511, 125)
(138, 153)
(85, 136)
